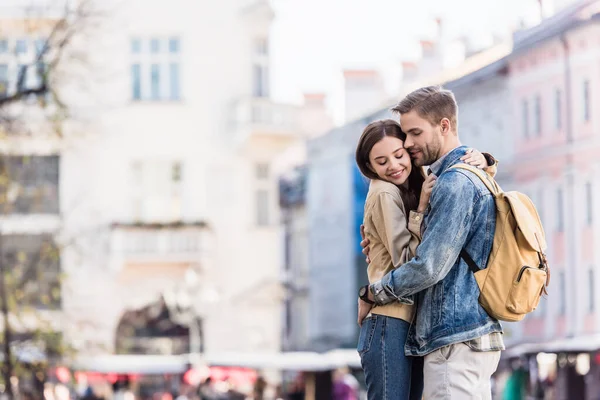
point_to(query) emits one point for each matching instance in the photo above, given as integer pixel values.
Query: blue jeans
(389, 373)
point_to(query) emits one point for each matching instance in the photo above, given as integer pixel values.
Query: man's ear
(445, 126)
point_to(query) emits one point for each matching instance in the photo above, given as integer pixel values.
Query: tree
(32, 104)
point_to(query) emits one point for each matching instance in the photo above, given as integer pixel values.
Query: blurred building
(188, 146)
(169, 193)
(30, 201)
(292, 199)
(554, 80)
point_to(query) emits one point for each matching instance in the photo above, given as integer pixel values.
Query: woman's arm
(485, 161)
(391, 224)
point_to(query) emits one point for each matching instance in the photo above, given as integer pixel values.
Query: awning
(289, 361)
(575, 344)
(163, 364)
(132, 364)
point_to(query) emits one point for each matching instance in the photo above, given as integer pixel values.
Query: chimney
(410, 72)
(315, 119)
(431, 62)
(364, 92)
(428, 48)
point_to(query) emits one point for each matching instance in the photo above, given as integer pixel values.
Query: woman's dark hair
(372, 134)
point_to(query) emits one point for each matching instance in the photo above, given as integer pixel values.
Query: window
(525, 111)
(540, 204)
(3, 80)
(155, 79)
(21, 46)
(591, 287)
(586, 100)
(261, 84)
(558, 109)
(156, 190)
(261, 47)
(174, 80)
(262, 207)
(589, 209)
(538, 115)
(156, 69)
(22, 76)
(39, 46)
(34, 265)
(31, 184)
(559, 211)
(3, 46)
(262, 171)
(136, 46)
(540, 311)
(562, 306)
(176, 172)
(154, 46)
(260, 68)
(40, 71)
(136, 81)
(174, 45)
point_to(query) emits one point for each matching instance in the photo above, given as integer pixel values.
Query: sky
(312, 41)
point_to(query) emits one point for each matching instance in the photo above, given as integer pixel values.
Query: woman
(397, 189)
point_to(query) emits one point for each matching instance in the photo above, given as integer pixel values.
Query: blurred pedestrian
(259, 388)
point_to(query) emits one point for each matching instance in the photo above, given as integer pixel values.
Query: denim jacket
(462, 214)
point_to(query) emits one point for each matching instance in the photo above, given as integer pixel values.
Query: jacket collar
(448, 160)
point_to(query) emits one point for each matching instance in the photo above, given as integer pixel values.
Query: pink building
(534, 109)
(554, 75)
(554, 86)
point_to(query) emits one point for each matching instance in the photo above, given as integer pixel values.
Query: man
(460, 341)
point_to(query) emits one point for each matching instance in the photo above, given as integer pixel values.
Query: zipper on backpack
(521, 273)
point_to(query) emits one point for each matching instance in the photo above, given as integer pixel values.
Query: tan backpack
(517, 272)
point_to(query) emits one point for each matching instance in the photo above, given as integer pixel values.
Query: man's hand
(364, 309)
(364, 244)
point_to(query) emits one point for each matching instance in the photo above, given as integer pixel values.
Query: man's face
(423, 140)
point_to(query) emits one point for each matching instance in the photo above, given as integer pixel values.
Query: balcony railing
(263, 117)
(158, 244)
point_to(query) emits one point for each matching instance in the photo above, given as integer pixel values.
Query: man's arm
(450, 219)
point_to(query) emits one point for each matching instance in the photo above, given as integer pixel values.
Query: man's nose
(408, 143)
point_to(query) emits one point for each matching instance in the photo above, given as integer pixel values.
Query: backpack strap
(494, 189)
(472, 265)
(490, 183)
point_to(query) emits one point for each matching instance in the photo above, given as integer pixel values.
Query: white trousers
(456, 372)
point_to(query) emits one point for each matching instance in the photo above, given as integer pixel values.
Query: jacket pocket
(365, 337)
(437, 304)
(526, 291)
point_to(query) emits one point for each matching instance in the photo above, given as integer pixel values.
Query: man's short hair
(431, 103)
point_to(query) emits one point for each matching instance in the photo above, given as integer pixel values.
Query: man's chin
(418, 161)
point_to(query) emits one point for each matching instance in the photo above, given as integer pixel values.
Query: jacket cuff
(415, 220)
(383, 296)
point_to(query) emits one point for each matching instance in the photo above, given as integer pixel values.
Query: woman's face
(390, 161)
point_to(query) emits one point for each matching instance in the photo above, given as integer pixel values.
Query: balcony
(159, 243)
(263, 123)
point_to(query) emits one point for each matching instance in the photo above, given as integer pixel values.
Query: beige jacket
(391, 244)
